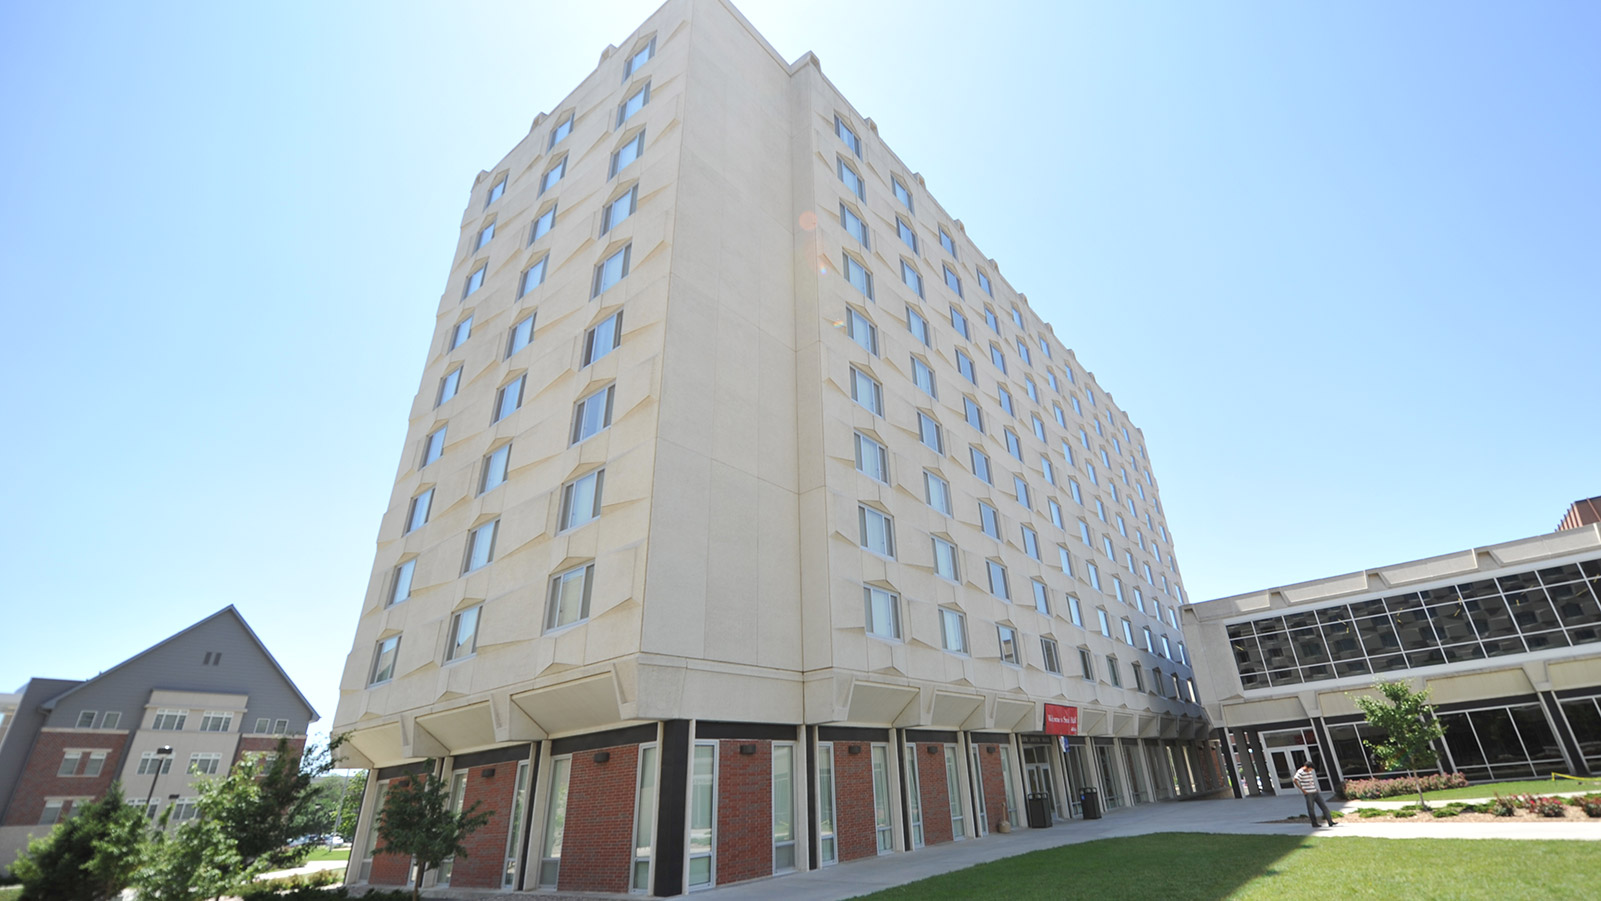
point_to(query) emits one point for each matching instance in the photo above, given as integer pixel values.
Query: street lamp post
(163, 753)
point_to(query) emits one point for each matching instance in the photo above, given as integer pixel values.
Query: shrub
(1368, 813)
(1503, 807)
(1544, 805)
(1443, 812)
(88, 857)
(294, 888)
(1374, 789)
(1403, 814)
(1475, 808)
(1591, 805)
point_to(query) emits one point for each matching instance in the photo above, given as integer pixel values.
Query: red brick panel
(935, 794)
(597, 848)
(992, 781)
(39, 780)
(388, 869)
(297, 746)
(483, 866)
(744, 811)
(853, 801)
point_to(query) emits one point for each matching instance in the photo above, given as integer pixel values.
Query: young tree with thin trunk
(1410, 729)
(417, 820)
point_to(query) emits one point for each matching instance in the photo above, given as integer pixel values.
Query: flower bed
(1374, 789)
(1500, 809)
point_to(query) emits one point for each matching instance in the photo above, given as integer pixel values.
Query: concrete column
(1265, 776)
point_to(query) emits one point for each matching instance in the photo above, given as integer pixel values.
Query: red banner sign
(1061, 720)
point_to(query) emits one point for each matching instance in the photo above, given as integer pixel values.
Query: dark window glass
(1584, 718)
(1432, 656)
(1532, 611)
(1457, 653)
(1459, 740)
(1515, 583)
(1367, 608)
(1352, 667)
(1559, 574)
(1272, 624)
(1497, 735)
(1535, 729)
(1299, 621)
(1282, 677)
(1484, 589)
(1501, 647)
(1378, 635)
(1342, 641)
(1309, 647)
(1389, 663)
(1490, 617)
(1276, 651)
(1412, 627)
(1575, 604)
(1451, 623)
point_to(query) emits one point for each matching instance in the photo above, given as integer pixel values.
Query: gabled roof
(228, 611)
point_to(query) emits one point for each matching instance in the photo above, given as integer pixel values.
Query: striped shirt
(1306, 780)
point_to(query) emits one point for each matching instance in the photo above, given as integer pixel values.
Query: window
(1084, 531)
(998, 358)
(150, 762)
(1105, 624)
(853, 181)
(964, 365)
(383, 660)
(923, 378)
(1045, 349)
(612, 271)
(485, 235)
(848, 136)
(418, 514)
(95, 764)
(205, 764)
(1008, 640)
(625, 155)
(872, 458)
(861, 331)
(908, 236)
(1005, 398)
(1013, 446)
(1031, 543)
(1066, 560)
(86, 719)
(569, 597)
(216, 721)
(1020, 489)
(1117, 589)
(494, 468)
(463, 634)
(877, 530)
(1150, 643)
(619, 209)
(918, 326)
(561, 131)
(1113, 674)
(69, 763)
(1039, 426)
(1089, 470)
(984, 283)
(945, 241)
(462, 332)
(635, 102)
(945, 564)
(1047, 470)
(1107, 541)
(1051, 378)
(603, 338)
(1167, 649)
(509, 398)
(533, 276)
(543, 224)
(497, 190)
(1061, 418)
(1139, 676)
(989, 520)
(592, 414)
(1073, 489)
(474, 281)
(1074, 613)
(553, 175)
(640, 57)
(928, 432)
(937, 492)
(1053, 660)
(522, 334)
(858, 276)
(581, 499)
(400, 583)
(1042, 598)
(959, 322)
(997, 579)
(854, 226)
(953, 631)
(901, 194)
(913, 279)
(867, 392)
(1086, 664)
(952, 282)
(973, 415)
(883, 612)
(481, 546)
(1128, 633)
(1100, 511)
(981, 463)
(1139, 601)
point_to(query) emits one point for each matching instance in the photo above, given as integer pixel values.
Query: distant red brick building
(1582, 513)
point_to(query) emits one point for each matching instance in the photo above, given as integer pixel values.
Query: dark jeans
(1317, 798)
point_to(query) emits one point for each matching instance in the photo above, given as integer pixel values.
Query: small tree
(1410, 729)
(417, 820)
(90, 857)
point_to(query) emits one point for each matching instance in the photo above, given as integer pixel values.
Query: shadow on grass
(1178, 866)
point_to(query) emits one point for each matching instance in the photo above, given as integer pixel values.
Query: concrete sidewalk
(1245, 817)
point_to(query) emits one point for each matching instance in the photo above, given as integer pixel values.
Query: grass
(322, 853)
(10, 892)
(1490, 789)
(1200, 867)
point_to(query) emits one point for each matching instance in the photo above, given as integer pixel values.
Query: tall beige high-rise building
(749, 520)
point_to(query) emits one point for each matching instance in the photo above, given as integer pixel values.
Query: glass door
(1111, 785)
(702, 814)
(883, 823)
(458, 795)
(555, 822)
(827, 848)
(1136, 776)
(644, 819)
(914, 797)
(953, 790)
(1077, 778)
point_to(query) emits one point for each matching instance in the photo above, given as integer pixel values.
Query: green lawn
(1202, 867)
(10, 892)
(1491, 789)
(322, 853)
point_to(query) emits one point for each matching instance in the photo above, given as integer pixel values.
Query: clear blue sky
(1339, 260)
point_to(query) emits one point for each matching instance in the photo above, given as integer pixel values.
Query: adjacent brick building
(191, 705)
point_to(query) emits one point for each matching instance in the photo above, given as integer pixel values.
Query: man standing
(1306, 781)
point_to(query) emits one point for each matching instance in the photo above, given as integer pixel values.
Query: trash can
(1091, 799)
(1039, 810)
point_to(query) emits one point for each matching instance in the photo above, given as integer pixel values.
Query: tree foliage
(1407, 719)
(89, 857)
(417, 820)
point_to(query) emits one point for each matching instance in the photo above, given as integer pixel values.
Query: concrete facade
(1507, 638)
(211, 693)
(831, 490)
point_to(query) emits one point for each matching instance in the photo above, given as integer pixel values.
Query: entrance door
(1037, 771)
(1286, 751)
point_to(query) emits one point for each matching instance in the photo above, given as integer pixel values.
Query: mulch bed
(1569, 814)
